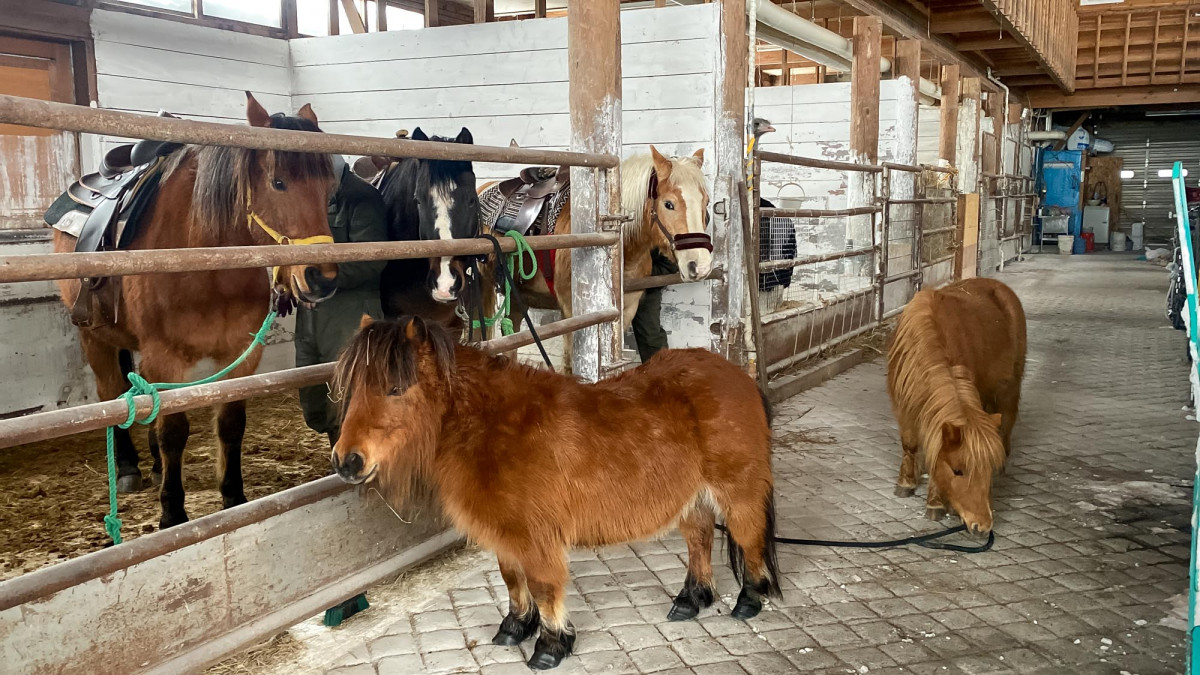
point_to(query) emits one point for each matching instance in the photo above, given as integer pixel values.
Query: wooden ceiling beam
(963, 21)
(1111, 98)
(992, 42)
(906, 21)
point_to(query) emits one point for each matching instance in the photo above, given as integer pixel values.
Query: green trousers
(647, 322)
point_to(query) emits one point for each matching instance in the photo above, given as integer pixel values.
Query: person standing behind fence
(356, 214)
(647, 327)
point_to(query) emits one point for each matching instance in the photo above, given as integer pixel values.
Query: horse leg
(698, 588)
(231, 428)
(173, 431)
(1007, 404)
(110, 366)
(156, 470)
(546, 574)
(935, 508)
(522, 620)
(906, 483)
(750, 523)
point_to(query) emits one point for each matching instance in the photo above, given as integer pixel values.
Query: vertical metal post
(594, 70)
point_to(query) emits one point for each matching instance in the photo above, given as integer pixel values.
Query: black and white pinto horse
(427, 199)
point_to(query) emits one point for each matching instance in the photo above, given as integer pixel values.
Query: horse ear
(512, 143)
(951, 435)
(365, 321)
(256, 115)
(415, 330)
(418, 135)
(662, 165)
(996, 418)
(699, 156)
(464, 137)
(307, 113)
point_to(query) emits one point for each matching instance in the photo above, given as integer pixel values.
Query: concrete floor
(1088, 574)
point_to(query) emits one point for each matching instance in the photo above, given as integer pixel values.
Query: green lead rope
(140, 387)
(516, 260)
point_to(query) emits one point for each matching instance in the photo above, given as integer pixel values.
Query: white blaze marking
(442, 201)
(694, 200)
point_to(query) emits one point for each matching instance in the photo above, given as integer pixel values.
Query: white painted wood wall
(504, 81)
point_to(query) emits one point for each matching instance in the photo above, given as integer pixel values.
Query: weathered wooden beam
(381, 15)
(485, 11)
(907, 21)
(594, 76)
(948, 134)
(334, 21)
(1114, 97)
(358, 23)
(539, 9)
(974, 20)
(431, 14)
(864, 90)
(1059, 145)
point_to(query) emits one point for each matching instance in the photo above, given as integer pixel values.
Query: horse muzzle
(352, 469)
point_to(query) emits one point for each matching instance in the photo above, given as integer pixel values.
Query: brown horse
(954, 376)
(208, 196)
(667, 200)
(530, 463)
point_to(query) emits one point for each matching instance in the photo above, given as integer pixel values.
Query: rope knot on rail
(139, 386)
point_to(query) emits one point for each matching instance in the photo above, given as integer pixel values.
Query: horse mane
(635, 186)
(933, 392)
(381, 357)
(223, 174)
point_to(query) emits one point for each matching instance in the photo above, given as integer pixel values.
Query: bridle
(253, 219)
(678, 242)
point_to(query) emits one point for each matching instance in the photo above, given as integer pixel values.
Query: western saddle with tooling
(529, 205)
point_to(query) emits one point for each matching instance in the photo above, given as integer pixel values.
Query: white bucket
(1065, 243)
(1118, 241)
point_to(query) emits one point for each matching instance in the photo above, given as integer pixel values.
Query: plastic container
(1066, 242)
(1117, 241)
(1089, 242)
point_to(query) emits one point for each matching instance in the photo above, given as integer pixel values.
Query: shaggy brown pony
(530, 463)
(954, 376)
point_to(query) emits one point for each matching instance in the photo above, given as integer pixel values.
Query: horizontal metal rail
(896, 166)
(819, 213)
(938, 261)
(50, 266)
(66, 117)
(901, 276)
(772, 265)
(781, 158)
(939, 169)
(924, 200)
(663, 280)
(776, 317)
(939, 230)
(797, 358)
(93, 416)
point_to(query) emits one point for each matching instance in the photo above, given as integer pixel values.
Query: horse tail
(125, 358)
(766, 404)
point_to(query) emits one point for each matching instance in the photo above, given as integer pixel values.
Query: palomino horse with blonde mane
(954, 376)
(208, 196)
(530, 463)
(666, 199)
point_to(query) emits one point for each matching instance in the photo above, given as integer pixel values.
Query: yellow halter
(253, 219)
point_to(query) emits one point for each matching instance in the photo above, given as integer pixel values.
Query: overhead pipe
(1046, 136)
(784, 29)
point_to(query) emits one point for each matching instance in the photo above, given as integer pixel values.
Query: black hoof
(516, 629)
(129, 483)
(169, 520)
(902, 491)
(551, 649)
(748, 606)
(682, 610)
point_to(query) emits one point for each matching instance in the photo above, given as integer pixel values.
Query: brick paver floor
(1088, 571)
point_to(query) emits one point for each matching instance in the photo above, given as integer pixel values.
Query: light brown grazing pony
(954, 376)
(209, 196)
(530, 463)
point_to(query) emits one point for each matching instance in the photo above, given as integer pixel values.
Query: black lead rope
(922, 540)
(504, 276)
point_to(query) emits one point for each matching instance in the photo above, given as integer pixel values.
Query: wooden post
(864, 90)
(290, 20)
(967, 132)
(787, 70)
(485, 11)
(731, 74)
(996, 111)
(333, 17)
(357, 21)
(539, 9)
(948, 136)
(381, 15)
(431, 14)
(594, 74)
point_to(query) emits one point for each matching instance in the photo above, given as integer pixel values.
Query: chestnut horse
(208, 196)
(954, 376)
(667, 200)
(530, 463)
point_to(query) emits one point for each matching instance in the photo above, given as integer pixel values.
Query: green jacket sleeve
(366, 224)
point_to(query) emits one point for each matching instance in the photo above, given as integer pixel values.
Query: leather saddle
(102, 211)
(526, 198)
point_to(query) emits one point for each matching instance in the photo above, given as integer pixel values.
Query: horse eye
(394, 391)
(278, 184)
(958, 472)
(670, 206)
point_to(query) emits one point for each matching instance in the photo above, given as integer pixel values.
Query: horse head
(286, 197)
(392, 379)
(678, 202)
(969, 453)
(448, 208)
